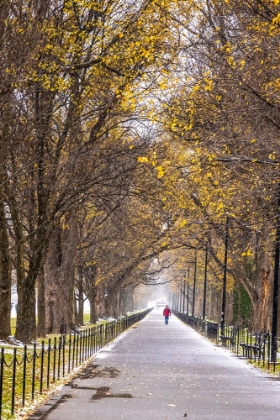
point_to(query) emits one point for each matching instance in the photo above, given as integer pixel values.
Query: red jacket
(166, 312)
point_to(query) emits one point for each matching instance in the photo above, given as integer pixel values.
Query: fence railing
(29, 370)
(255, 346)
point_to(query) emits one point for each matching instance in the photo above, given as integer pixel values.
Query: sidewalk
(157, 371)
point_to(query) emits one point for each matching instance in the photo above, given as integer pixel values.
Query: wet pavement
(157, 371)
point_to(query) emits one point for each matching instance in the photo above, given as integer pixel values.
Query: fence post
(81, 347)
(77, 352)
(33, 371)
(14, 380)
(59, 358)
(42, 367)
(63, 356)
(49, 363)
(100, 336)
(24, 375)
(69, 353)
(54, 358)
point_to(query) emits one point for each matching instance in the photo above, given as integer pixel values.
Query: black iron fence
(255, 346)
(27, 371)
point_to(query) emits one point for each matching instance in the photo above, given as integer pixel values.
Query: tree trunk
(130, 299)
(261, 310)
(19, 266)
(80, 313)
(41, 310)
(26, 330)
(101, 301)
(51, 279)
(116, 305)
(261, 313)
(59, 279)
(26, 316)
(91, 290)
(5, 277)
(5, 271)
(92, 303)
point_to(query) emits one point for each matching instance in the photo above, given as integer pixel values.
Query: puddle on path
(104, 392)
(93, 371)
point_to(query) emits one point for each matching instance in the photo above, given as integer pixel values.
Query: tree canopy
(130, 132)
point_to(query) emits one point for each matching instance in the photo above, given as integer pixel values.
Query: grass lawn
(32, 373)
(45, 367)
(14, 320)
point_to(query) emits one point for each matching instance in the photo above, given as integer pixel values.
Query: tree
(71, 84)
(224, 114)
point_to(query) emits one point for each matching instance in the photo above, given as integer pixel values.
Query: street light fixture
(224, 279)
(194, 285)
(188, 293)
(275, 286)
(205, 283)
(184, 295)
(188, 286)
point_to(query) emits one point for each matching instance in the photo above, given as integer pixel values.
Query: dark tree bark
(92, 303)
(5, 276)
(91, 291)
(5, 272)
(80, 288)
(59, 278)
(41, 309)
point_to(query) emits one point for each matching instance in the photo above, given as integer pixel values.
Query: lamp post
(224, 280)
(188, 286)
(275, 285)
(178, 298)
(181, 296)
(194, 285)
(188, 293)
(205, 283)
(184, 295)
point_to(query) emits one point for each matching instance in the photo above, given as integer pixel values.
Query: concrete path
(157, 371)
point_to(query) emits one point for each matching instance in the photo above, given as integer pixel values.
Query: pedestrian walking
(166, 313)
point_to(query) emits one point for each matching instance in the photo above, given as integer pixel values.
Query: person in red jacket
(166, 313)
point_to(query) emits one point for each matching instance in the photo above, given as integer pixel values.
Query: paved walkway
(157, 371)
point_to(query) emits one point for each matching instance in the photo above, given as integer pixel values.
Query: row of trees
(129, 130)
(70, 143)
(226, 112)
